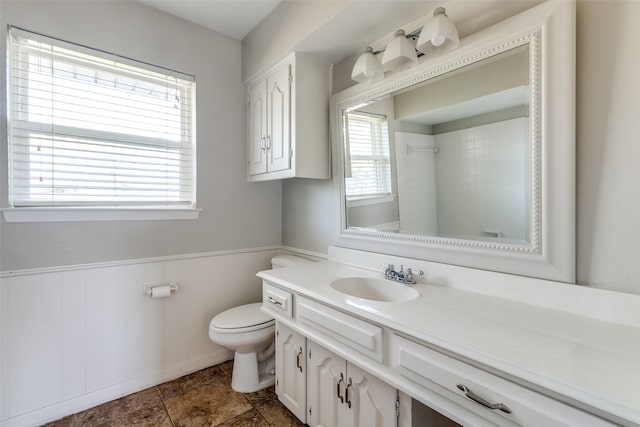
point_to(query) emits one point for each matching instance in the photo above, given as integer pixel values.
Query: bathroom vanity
(495, 333)
(390, 358)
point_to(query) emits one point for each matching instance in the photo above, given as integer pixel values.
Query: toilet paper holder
(148, 290)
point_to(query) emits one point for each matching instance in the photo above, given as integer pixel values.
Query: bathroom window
(368, 168)
(92, 129)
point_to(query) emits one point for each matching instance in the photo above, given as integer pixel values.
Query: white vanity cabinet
(291, 372)
(288, 114)
(341, 394)
(338, 367)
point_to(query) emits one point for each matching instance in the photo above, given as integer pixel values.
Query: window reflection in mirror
(450, 157)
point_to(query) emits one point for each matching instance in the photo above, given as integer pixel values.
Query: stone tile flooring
(203, 398)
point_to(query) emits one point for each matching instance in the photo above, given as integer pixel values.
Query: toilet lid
(241, 317)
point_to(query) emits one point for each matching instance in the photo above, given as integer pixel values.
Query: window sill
(373, 200)
(83, 214)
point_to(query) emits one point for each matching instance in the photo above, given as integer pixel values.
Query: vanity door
(368, 400)
(290, 370)
(325, 386)
(342, 395)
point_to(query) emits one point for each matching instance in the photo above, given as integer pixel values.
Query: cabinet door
(258, 128)
(369, 401)
(279, 120)
(290, 370)
(326, 386)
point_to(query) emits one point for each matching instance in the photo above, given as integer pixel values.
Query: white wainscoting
(74, 337)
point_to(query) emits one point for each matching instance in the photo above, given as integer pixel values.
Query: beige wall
(608, 153)
(230, 204)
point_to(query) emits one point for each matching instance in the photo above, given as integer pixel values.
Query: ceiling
(358, 24)
(233, 18)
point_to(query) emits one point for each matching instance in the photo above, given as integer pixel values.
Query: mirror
(468, 159)
(446, 157)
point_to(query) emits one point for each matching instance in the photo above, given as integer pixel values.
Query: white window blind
(368, 169)
(87, 128)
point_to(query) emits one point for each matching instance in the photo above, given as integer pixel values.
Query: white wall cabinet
(291, 387)
(288, 121)
(341, 394)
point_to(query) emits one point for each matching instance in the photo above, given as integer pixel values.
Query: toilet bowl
(250, 332)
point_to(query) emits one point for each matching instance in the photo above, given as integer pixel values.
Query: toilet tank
(288, 260)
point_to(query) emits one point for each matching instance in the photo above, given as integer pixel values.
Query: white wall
(230, 203)
(416, 184)
(79, 336)
(481, 180)
(608, 152)
(608, 202)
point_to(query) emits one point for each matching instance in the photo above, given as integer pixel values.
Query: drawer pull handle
(346, 393)
(471, 395)
(338, 388)
(298, 359)
(273, 301)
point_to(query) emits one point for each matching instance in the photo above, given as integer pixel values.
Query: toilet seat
(244, 318)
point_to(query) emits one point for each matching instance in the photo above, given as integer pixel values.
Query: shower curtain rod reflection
(412, 149)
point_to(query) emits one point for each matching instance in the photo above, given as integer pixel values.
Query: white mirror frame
(549, 29)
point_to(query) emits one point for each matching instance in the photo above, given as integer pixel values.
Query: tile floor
(203, 398)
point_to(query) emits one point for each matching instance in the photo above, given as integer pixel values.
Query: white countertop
(573, 358)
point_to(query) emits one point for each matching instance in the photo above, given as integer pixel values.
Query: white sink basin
(374, 289)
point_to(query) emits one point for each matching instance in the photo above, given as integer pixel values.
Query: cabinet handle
(298, 359)
(471, 395)
(268, 142)
(346, 393)
(338, 388)
(263, 143)
(273, 301)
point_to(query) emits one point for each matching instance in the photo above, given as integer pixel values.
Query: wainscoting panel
(74, 337)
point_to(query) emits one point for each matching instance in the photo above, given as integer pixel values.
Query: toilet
(250, 332)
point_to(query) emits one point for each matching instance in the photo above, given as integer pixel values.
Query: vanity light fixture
(439, 34)
(400, 53)
(367, 68)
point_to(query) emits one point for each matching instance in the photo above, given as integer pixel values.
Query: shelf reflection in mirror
(448, 157)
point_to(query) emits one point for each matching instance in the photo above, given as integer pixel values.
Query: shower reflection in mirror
(448, 157)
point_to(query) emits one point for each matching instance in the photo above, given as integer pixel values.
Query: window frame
(381, 196)
(53, 211)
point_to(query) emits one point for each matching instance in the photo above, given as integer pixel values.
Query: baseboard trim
(89, 400)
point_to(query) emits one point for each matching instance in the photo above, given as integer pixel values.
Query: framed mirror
(468, 158)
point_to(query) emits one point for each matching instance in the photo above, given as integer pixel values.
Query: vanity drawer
(277, 300)
(351, 331)
(462, 383)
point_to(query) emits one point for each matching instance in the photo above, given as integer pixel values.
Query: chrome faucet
(401, 276)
